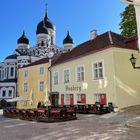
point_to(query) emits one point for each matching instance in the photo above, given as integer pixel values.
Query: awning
(18, 99)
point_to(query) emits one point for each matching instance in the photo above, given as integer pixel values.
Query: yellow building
(98, 70)
(32, 83)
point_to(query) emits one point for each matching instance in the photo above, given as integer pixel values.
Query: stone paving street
(88, 127)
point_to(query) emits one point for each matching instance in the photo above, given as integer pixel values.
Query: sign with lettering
(73, 88)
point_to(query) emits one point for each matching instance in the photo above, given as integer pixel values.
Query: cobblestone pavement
(88, 127)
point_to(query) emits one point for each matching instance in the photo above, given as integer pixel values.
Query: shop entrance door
(62, 99)
(54, 99)
(83, 98)
(103, 99)
(71, 99)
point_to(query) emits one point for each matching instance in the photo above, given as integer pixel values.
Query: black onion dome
(23, 39)
(13, 56)
(68, 39)
(48, 23)
(41, 28)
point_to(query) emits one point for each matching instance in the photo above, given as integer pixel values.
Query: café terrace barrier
(54, 114)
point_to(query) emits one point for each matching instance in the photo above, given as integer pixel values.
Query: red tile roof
(101, 42)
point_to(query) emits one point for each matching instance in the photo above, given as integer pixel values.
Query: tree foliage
(128, 23)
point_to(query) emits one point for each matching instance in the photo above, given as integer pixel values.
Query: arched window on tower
(42, 43)
(52, 40)
(12, 72)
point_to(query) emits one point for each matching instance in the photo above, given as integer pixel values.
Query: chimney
(93, 34)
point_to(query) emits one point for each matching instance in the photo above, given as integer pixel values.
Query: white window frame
(26, 73)
(76, 76)
(79, 97)
(97, 97)
(10, 88)
(93, 70)
(55, 80)
(67, 99)
(67, 80)
(41, 70)
(3, 89)
(25, 87)
(41, 86)
(9, 73)
(24, 103)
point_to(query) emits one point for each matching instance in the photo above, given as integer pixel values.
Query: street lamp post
(133, 62)
(136, 4)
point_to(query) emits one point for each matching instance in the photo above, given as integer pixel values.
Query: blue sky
(77, 16)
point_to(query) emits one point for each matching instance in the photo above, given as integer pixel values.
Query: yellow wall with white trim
(33, 84)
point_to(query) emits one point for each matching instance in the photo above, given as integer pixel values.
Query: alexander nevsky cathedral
(24, 55)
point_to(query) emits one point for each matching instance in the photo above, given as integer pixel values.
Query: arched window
(52, 40)
(10, 92)
(3, 92)
(42, 43)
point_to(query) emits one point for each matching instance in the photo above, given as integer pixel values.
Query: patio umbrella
(31, 97)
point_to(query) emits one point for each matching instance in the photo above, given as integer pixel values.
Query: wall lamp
(133, 62)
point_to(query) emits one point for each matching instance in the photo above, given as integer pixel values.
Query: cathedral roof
(13, 56)
(41, 28)
(44, 24)
(48, 23)
(68, 39)
(23, 39)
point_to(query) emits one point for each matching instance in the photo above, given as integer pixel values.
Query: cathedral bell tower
(45, 33)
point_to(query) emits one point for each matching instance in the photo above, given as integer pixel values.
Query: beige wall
(33, 84)
(127, 79)
(105, 85)
(121, 82)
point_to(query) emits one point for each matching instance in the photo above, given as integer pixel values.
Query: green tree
(128, 23)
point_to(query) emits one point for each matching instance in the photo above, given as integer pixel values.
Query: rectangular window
(41, 70)
(66, 76)
(101, 98)
(5, 72)
(24, 103)
(80, 73)
(55, 78)
(25, 87)
(98, 70)
(3, 93)
(26, 73)
(97, 98)
(81, 98)
(12, 72)
(41, 86)
(67, 99)
(10, 93)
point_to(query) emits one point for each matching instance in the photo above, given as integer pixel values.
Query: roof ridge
(110, 38)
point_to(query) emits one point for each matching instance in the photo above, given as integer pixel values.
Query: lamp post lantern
(133, 62)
